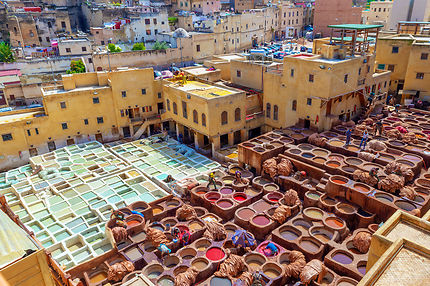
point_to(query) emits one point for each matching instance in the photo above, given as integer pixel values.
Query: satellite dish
(322, 67)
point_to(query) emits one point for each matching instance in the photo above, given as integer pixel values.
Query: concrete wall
(406, 10)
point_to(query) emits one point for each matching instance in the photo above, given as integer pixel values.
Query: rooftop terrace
(201, 89)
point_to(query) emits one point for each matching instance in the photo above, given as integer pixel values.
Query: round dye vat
(384, 197)
(424, 182)
(336, 143)
(352, 148)
(404, 205)
(342, 258)
(313, 196)
(353, 161)
(289, 234)
(334, 222)
(313, 213)
(333, 164)
(308, 155)
(154, 274)
(166, 281)
(157, 210)
(319, 160)
(132, 223)
(240, 197)
(215, 253)
(218, 281)
(320, 152)
(271, 273)
(98, 277)
(261, 206)
(195, 226)
(346, 283)
(261, 220)
(224, 204)
(362, 269)
(309, 246)
(200, 263)
(251, 192)
(346, 208)
(329, 201)
(245, 214)
(226, 191)
(212, 196)
(302, 224)
(348, 169)
(361, 188)
(363, 213)
(274, 197)
(271, 187)
(412, 158)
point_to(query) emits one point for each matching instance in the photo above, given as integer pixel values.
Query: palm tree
(6, 54)
(160, 46)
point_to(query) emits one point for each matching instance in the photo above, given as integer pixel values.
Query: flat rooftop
(355, 26)
(199, 70)
(202, 89)
(19, 117)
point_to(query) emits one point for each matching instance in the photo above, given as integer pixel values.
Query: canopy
(243, 238)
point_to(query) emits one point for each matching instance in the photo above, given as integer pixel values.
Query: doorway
(307, 123)
(99, 137)
(126, 131)
(70, 142)
(33, 152)
(51, 146)
(237, 137)
(252, 133)
(223, 140)
(160, 107)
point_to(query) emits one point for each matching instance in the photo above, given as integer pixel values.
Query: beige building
(290, 20)
(242, 5)
(378, 13)
(407, 57)
(74, 47)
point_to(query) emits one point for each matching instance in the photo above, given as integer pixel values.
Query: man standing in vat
(348, 134)
(364, 140)
(374, 173)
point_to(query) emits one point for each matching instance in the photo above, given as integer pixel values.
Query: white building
(409, 10)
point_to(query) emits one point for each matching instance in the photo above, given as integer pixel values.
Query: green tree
(6, 54)
(138, 47)
(113, 48)
(76, 67)
(160, 46)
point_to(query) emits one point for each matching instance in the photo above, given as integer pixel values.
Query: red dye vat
(133, 223)
(334, 222)
(239, 197)
(224, 204)
(261, 220)
(215, 254)
(339, 181)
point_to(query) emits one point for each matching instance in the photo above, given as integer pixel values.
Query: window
(424, 56)
(311, 78)
(294, 106)
(368, 68)
(159, 95)
(385, 84)
(63, 105)
(68, 50)
(90, 60)
(224, 118)
(359, 71)
(268, 110)
(203, 119)
(345, 78)
(86, 120)
(148, 32)
(64, 126)
(143, 91)
(391, 68)
(309, 101)
(275, 112)
(123, 93)
(100, 120)
(96, 100)
(84, 49)
(37, 131)
(420, 75)
(195, 116)
(155, 31)
(381, 66)
(237, 114)
(198, 48)
(28, 132)
(168, 104)
(7, 137)
(63, 24)
(292, 73)
(154, 21)
(395, 50)
(184, 109)
(147, 21)
(238, 73)
(175, 108)
(49, 25)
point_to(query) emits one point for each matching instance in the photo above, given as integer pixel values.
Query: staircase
(148, 121)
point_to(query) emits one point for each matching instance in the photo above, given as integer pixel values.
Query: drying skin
(117, 271)
(408, 192)
(285, 167)
(366, 156)
(291, 198)
(281, 214)
(119, 233)
(187, 278)
(270, 167)
(368, 121)
(215, 231)
(186, 212)
(315, 269)
(359, 129)
(410, 138)
(399, 169)
(245, 279)
(393, 134)
(296, 265)
(364, 177)
(231, 267)
(317, 140)
(156, 237)
(376, 145)
(362, 241)
(391, 183)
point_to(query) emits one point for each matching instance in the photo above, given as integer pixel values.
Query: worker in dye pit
(348, 134)
(374, 173)
(118, 218)
(364, 139)
(378, 127)
(396, 107)
(271, 249)
(212, 180)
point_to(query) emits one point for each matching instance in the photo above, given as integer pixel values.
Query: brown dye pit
(353, 161)
(346, 208)
(200, 263)
(361, 188)
(271, 187)
(404, 205)
(320, 152)
(384, 197)
(309, 246)
(302, 224)
(336, 143)
(319, 160)
(334, 222)
(352, 148)
(333, 164)
(245, 213)
(313, 213)
(261, 206)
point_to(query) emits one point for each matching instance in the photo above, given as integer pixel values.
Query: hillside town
(214, 143)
